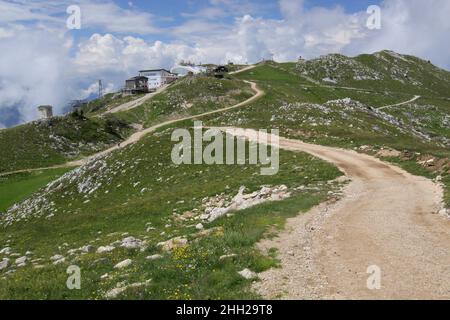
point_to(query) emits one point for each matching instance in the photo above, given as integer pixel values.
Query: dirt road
(386, 219)
(137, 102)
(401, 103)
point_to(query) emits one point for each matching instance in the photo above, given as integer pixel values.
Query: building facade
(136, 84)
(157, 77)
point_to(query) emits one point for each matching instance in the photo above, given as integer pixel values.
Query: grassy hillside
(56, 141)
(15, 188)
(349, 118)
(139, 192)
(108, 101)
(189, 96)
(385, 70)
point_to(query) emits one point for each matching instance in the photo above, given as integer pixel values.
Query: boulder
(173, 243)
(88, 249)
(248, 274)
(123, 264)
(22, 260)
(227, 256)
(6, 250)
(4, 263)
(154, 257)
(104, 249)
(132, 243)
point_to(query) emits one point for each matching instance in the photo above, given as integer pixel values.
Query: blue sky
(171, 13)
(43, 62)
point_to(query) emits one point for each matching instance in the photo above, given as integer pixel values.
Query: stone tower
(45, 112)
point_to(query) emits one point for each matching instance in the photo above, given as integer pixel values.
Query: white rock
(21, 260)
(248, 274)
(173, 243)
(132, 243)
(114, 293)
(56, 257)
(121, 287)
(59, 261)
(88, 248)
(104, 249)
(4, 263)
(227, 256)
(123, 264)
(199, 226)
(154, 257)
(6, 250)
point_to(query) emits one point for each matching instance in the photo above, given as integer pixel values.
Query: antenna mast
(100, 89)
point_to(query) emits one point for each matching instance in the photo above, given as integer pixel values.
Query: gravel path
(386, 218)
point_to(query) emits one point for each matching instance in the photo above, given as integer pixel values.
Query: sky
(42, 61)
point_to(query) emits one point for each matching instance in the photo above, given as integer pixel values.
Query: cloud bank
(42, 63)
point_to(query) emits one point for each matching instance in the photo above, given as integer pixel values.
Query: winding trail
(137, 102)
(139, 134)
(243, 69)
(386, 218)
(401, 103)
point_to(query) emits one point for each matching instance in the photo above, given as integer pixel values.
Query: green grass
(45, 143)
(17, 187)
(139, 185)
(108, 101)
(197, 272)
(189, 96)
(291, 106)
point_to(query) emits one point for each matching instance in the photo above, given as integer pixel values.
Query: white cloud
(111, 18)
(415, 27)
(42, 65)
(33, 69)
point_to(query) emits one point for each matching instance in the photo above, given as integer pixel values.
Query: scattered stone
(199, 226)
(104, 249)
(123, 264)
(227, 256)
(173, 243)
(88, 248)
(6, 250)
(4, 263)
(121, 287)
(21, 260)
(57, 259)
(243, 201)
(132, 243)
(154, 257)
(105, 276)
(248, 274)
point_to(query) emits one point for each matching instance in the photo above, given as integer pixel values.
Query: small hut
(45, 112)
